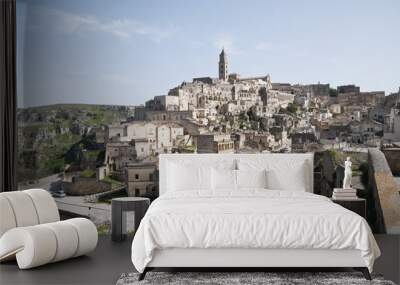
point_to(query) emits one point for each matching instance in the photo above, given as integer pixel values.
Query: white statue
(347, 174)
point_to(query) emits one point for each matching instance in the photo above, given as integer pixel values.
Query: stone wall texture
(385, 193)
(85, 186)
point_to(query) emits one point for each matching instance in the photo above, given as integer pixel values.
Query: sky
(127, 51)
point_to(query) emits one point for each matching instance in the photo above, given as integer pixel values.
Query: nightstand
(119, 208)
(357, 205)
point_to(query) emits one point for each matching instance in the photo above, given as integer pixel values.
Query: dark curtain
(8, 96)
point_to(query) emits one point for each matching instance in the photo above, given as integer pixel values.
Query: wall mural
(92, 122)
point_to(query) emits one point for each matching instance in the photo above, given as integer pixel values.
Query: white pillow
(291, 177)
(183, 177)
(223, 179)
(251, 178)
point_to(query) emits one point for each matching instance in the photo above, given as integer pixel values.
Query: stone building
(144, 147)
(142, 179)
(163, 103)
(366, 131)
(313, 90)
(334, 133)
(391, 100)
(348, 89)
(260, 111)
(206, 80)
(239, 140)
(215, 143)
(372, 98)
(114, 131)
(260, 141)
(324, 115)
(117, 156)
(358, 98)
(167, 135)
(302, 141)
(391, 131)
(142, 136)
(245, 92)
(140, 130)
(223, 66)
(318, 89)
(189, 94)
(377, 113)
(100, 133)
(143, 114)
(233, 77)
(335, 108)
(283, 87)
(285, 121)
(284, 99)
(151, 137)
(303, 100)
(213, 94)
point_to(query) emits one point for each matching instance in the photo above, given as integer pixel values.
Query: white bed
(200, 223)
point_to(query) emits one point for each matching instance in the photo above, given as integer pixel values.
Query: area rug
(233, 278)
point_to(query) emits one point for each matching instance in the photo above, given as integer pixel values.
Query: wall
(85, 186)
(393, 158)
(141, 179)
(384, 193)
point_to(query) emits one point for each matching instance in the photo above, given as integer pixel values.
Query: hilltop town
(228, 114)
(234, 114)
(87, 154)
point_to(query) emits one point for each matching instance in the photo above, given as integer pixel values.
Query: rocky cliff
(46, 134)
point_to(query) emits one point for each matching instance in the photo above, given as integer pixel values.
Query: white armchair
(31, 230)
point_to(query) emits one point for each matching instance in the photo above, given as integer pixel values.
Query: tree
(75, 153)
(292, 108)
(333, 92)
(243, 116)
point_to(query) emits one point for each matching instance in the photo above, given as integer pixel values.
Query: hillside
(46, 134)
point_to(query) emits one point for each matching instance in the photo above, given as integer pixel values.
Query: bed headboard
(212, 159)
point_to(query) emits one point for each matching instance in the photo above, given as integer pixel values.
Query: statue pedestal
(344, 194)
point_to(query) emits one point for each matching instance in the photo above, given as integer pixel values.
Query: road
(99, 213)
(42, 183)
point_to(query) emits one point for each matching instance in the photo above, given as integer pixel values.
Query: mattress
(250, 219)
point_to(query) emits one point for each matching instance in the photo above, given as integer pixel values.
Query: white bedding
(252, 218)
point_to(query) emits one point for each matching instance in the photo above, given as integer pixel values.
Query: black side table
(357, 205)
(138, 205)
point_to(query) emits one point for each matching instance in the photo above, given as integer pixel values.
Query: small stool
(138, 205)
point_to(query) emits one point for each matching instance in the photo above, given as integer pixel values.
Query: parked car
(58, 194)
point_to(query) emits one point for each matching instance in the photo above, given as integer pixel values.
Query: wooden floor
(111, 259)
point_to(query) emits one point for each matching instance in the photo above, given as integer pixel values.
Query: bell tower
(223, 65)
